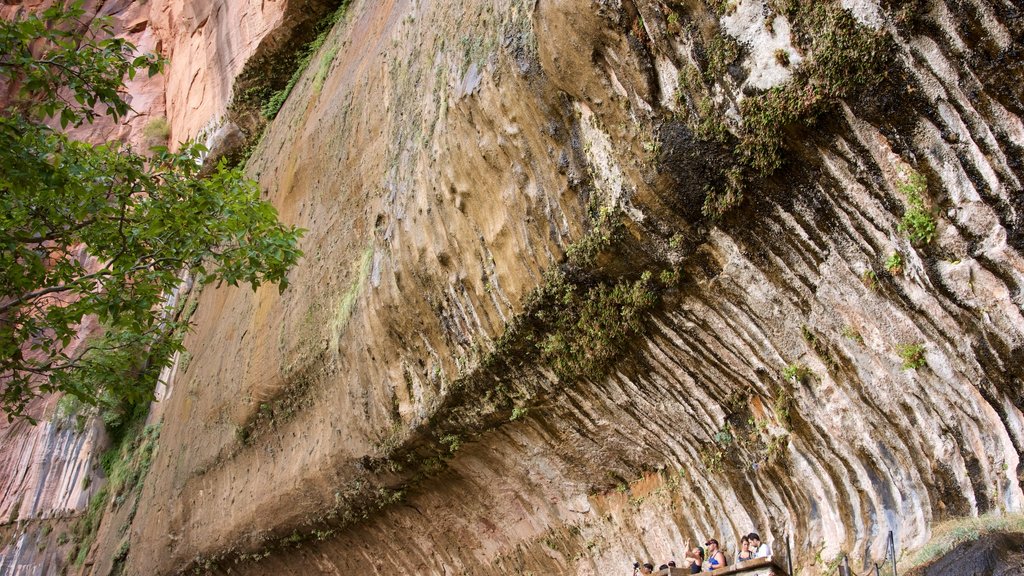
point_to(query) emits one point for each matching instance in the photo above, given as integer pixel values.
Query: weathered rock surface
(444, 156)
(51, 460)
(398, 410)
(209, 43)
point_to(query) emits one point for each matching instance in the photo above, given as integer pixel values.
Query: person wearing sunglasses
(716, 559)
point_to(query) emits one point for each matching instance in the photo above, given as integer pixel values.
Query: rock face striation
(588, 281)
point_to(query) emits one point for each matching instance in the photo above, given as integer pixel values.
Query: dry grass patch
(950, 534)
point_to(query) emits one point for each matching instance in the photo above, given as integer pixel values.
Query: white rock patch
(747, 25)
(866, 12)
(597, 147)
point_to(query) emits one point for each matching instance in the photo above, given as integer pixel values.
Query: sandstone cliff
(585, 281)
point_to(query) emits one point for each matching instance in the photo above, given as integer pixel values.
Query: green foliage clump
(84, 530)
(325, 67)
(607, 227)
(723, 436)
(64, 75)
(853, 334)
(121, 554)
(576, 320)
(820, 346)
(918, 222)
(589, 325)
(713, 454)
(157, 130)
(869, 279)
(782, 406)
(844, 57)
(721, 51)
(894, 264)
(796, 372)
(125, 466)
(452, 441)
(71, 409)
(912, 356)
(272, 105)
(100, 231)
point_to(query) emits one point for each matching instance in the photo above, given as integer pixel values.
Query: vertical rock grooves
(408, 406)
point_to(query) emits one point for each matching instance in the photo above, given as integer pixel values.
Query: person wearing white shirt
(759, 549)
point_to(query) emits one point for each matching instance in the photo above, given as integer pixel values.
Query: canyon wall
(408, 405)
(587, 281)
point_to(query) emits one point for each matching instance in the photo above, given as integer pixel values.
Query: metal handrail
(890, 557)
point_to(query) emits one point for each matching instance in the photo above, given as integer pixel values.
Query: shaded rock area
(998, 554)
(586, 281)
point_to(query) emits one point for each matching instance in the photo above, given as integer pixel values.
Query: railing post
(789, 553)
(891, 552)
(844, 567)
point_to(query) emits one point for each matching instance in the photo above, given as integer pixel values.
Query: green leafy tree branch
(101, 231)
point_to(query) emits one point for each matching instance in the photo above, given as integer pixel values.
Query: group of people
(752, 547)
(711, 557)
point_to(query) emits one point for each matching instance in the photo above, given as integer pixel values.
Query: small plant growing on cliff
(782, 407)
(713, 453)
(853, 334)
(894, 264)
(721, 51)
(912, 356)
(452, 442)
(673, 23)
(157, 131)
(723, 437)
(669, 277)
(869, 279)
(712, 456)
(796, 372)
(918, 222)
(302, 58)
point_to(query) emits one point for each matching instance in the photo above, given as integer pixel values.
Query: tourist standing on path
(693, 559)
(716, 559)
(744, 554)
(759, 549)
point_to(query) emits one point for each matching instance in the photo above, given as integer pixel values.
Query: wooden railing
(755, 567)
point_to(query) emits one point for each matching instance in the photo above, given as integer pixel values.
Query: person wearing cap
(759, 549)
(716, 559)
